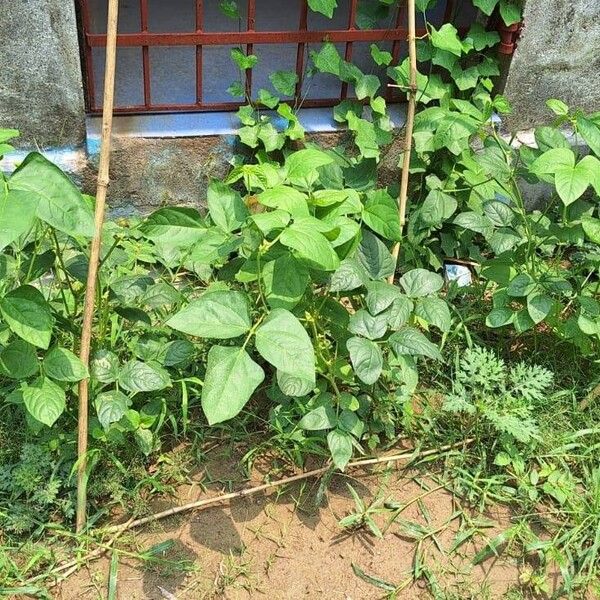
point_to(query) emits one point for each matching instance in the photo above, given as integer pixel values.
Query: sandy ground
(282, 546)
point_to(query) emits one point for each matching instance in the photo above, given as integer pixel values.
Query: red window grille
(200, 38)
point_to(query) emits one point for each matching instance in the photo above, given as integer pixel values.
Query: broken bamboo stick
(408, 456)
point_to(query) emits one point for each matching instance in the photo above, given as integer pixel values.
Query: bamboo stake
(408, 132)
(199, 504)
(90, 291)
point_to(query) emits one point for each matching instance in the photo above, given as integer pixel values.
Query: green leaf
(111, 407)
(522, 285)
(269, 221)
(364, 324)
(44, 400)
(340, 446)
(558, 107)
(591, 227)
(305, 162)
(310, 245)
(294, 386)
(231, 378)
(226, 207)
(145, 440)
(17, 215)
(420, 282)
(325, 7)
(283, 342)
(474, 222)
(285, 282)
(366, 359)
(242, 60)
(551, 160)
(480, 38)
(399, 312)
(137, 376)
(366, 136)
(374, 256)
(494, 163)
(249, 135)
(349, 421)
(286, 198)
(27, 313)
(370, 579)
(548, 138)
(322, 417)
(437, 208)
(499, 213)
(348, 276)
(8, 134)
(446, 38)
(61, 364)
(381, 57)
(590, 133)
(270, 137)
(367, 86)
(284, 82)
(539, 306)
(522, 321)
(434, 311)
(178, 352)
(486, 6)
(510, 12)
(380, 213)
(412, 342)
(18, 360)
(498, 317)
(60, 203)
(219, 314)
(571, 182)
(104, 366)
(327, 59)
(230, 9)
(266, 98)
(591, 164)
(380, 296)
(176, 224)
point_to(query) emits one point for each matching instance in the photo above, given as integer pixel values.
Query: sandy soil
(282, 546)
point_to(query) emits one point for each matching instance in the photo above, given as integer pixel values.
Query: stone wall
(558, 56)
(41, 91)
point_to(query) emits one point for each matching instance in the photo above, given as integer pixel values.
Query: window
(175, 55)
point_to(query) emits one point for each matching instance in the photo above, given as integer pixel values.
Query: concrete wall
(41, 91)
(558, 56)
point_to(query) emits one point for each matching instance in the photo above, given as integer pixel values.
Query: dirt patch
(284, 546)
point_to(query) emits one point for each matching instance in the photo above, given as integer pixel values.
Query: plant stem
(408, 132)
(64, 270)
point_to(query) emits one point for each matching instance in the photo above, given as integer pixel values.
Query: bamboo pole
(408, 131)
(90, 291)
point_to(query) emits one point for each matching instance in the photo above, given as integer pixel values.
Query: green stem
(59, 256)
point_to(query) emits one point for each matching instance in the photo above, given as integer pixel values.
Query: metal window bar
(198, 38)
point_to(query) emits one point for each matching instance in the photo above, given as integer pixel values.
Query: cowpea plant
(39, 208)
(300, 298)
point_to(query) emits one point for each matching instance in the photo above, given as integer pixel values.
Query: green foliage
(274, 306)
(499, 399)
